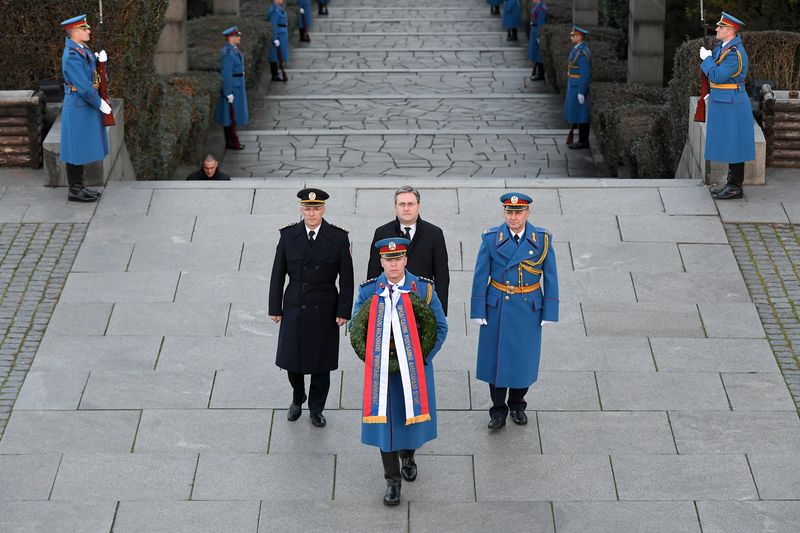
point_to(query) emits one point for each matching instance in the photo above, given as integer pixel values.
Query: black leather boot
(77, 193)
(392, 495)
(408, 468)
(273, 69)
(538, 69)
(733, 189)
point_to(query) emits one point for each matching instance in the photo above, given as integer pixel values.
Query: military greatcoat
(538, 19)
(304, 19)
(509, 344)
(395, 434)
(280, 32)
(579, 79)
(83, 136)
(729, 132)
(512, 14)
(308, 341)
(232, 73)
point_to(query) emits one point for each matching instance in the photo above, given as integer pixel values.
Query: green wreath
(426, 326)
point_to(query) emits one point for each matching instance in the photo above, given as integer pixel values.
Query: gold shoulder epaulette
(367, 282)
(289, 225)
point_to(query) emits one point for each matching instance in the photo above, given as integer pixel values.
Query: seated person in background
(209, 170)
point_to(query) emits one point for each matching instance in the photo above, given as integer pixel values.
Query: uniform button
(317, 267)
(506, 298)
(304, 268)
(302, 307)
(316, 307)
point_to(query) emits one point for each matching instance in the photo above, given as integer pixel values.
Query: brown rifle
(571, 134)
(285, 78)
(700, 113)
(234, 136)
(108, 120)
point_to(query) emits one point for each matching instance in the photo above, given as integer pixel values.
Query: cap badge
(514, 199)
(312, 196)
(392, 245)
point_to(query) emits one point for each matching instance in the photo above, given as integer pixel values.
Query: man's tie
(516, 239)
(311, 237)
(407, 233)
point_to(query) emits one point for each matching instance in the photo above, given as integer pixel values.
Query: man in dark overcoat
(427, 254)
(313, 253)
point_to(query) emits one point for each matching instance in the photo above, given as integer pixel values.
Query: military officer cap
(516, 201)
(232, 31)
(578, 29)
(392, 247)
(75, 22)
(312, 197)
(730, 21)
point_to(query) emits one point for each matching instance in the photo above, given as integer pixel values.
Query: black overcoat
(308, 341)
(427, 255)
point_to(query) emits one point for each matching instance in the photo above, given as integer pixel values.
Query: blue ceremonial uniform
(512, 14)
(83, 136)
(509, 344)
(579, 80)
(304, 20)
(232, 73)
(538, 19)
(395, 434)
(729, 132)
(277, 20)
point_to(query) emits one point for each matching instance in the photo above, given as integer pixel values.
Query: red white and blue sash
(392, 316)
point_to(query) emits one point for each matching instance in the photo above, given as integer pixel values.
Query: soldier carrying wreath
(397, 329)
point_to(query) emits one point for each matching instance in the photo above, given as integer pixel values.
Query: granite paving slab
(194, 517)
(742, 517)
(45, 517)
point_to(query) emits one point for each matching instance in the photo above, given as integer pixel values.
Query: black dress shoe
(79, 194)
(496, 422)
(231, 147)
(93, 192)
(519, 417)
(409, 469)
(318, 420)
(579, 145)
(392, 494)
(295, 409)
(729, 192)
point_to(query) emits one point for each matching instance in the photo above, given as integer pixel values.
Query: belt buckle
(305, 287)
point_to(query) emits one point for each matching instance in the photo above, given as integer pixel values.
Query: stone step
(400, 25)
(360, 41)
(408, 83)
(410, 153)
(387, 58)
(415, 13)
(537, 111)
(410, 4)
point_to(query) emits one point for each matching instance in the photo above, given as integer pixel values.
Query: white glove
(479, 321)
(302, 11)
(545, 322)
(101, 56)
(704, 53)
(537, 40)
(581, 98)
(104, 107)
(276, 42)
(230, 98)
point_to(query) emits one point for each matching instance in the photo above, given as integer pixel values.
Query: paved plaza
(665, 401)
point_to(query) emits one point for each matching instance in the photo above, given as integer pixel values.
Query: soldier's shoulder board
(367, 282)
(289, 225)
(491, 230)
(338, 227)
(426, 280)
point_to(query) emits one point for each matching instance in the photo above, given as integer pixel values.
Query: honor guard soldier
(514, 291)
(512, 18)
(494, 6)
(538, 19)
(399, 409)
(579, 79)
(231, 108)
(729, 133)
(280, 38)
(313, 253)
(427, 253)
(83, 136)
(304, 19)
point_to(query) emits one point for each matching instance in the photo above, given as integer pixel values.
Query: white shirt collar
(315, 230)
(400, 283)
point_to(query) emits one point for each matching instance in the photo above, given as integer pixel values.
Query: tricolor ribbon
(391, 315)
